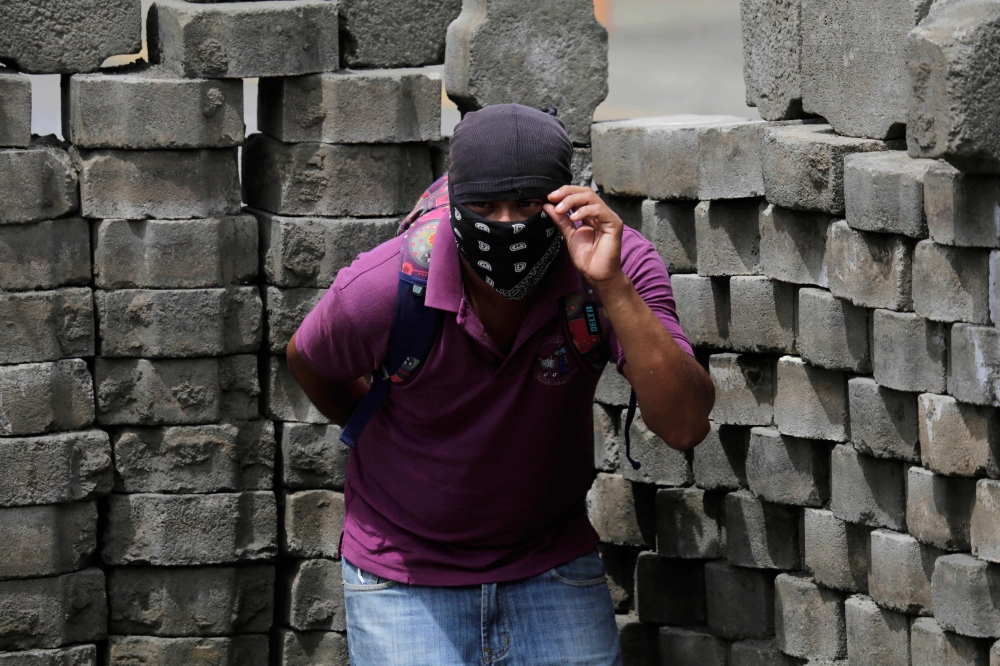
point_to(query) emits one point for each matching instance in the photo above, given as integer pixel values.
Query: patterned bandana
(512, 257)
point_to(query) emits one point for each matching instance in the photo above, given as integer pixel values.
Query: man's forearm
(335, 400)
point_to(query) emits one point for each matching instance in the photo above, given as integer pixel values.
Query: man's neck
(501, 316)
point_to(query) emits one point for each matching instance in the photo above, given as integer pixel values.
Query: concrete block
(284, 399)
(41, 326)
(729, 162)
(883, 421)
(247, 650)
(974, 364)
(669, 591)
(804, 165)
(985, 525)
(810, 402)
(908, 352)
(47, 540)
(930, 645)
(76, 655)
(949, 116)
(333, 179)
(728, 236)
(703, 306)
(740, 602)
(51, 612)
(761, 535)
(867, 490)
(369, 106)
(670, 226)
(312, 456)
(566, 69)
(63, 467)
(832, 333)
(613, 390)
(39, 182)
(582, 164)
(44, 255)
(36, 398)
(628, 208)
(227, 457)
(295, 648)
(179, 323)
(870, 270)
(958, 439)
(759, 653)
(901, 570)
(995, 286)
(720, 460)
(176, 392)
(939, 508)
(310, 596)
(876, 636)
(167, 184)
(236, 40)
(690, 647)
(175, 113)
(186, 530)
(661, 465)
(809, 620)
(884, 192)
(15, 110)
(788, 470)
(621, 512)
(961, 207)
(638, 641)
(367, 31)
(87, 34)
(772, 51)
(763, 314)
(964, 591)
(312, 521)
(619, 564)
(951, 284)
(744, 386)
(608, 438)
(689, 523)
(793, 245)
(199, 601)
(175, 254)
(836, 552)
(285, 310)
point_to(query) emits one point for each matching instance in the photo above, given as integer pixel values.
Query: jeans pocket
(584, 571)
(357, 579)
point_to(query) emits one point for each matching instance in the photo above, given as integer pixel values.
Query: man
(466, 538)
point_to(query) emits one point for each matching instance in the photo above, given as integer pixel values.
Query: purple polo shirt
(476, 470)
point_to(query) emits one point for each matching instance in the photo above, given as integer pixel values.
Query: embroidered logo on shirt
(554, 365)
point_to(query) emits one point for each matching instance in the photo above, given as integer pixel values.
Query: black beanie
(507, 152)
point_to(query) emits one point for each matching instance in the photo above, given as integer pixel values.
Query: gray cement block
(55, 611)
(772, 51)
(974, 364)
(582, 164)
(740, 601)
(995, 286)
(628, 208)
(44, 255)
(311, 523)
(312, 456)
(793, 245)
(876, 636)
(669, 591)
(284, 399)
(175, 254)
(690, 647)
(188, 602)
(689, 523)
(39, 182)
(870, 270)
(949, 116)
(38, 326)
(167, 184)
(930, 645)
(729, 164)
(619, 565)
(179, 323)
(836, 552)
(285, 309)
(310, 596)
(369, 106)
(720, 460)
(15, 110)
(36, 398)
(661, 465)
(187, 530)
(867, 490)
(745, 386)
(63, 467)
(47, 540)
(761, 535)
(951, 284)
(613, 390)
(237, 40)
(227, 457)
(295, 648)
(703, 306)
(809, 620)
(175, 113)
(908, 352)
(176, 392)
(884, 192)
(88, 34)
(638, 640)
(333, 179)
(788, 470)
(810, 402)
(728, 236)
(985, 525)
(883, 421)
(957, 439)
(246, 650)
(939, 508)
(76, 655)
(763, 314)
(804, 166)
(566, 69)
(759, 653)
(621, 512)
(608, 438)
(961, 207)
(901, 570)
(670, 227)
(964, 590)
(368, 29)
(832, 333)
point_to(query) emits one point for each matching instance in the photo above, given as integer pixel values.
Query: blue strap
(629, 415)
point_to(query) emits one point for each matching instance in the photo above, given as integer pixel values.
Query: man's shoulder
(379, 267)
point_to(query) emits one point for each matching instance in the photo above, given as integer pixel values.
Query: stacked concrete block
(810, 402)
(772, 57)
(745, 386)
(661, 465)
(961, 207)
(870, 270)
(761, 535)
(875, 635)
(884, 192)
(788, 470)
(901, 569)
(703, 305)
(15, 109)
(793, 245)
(867, 490)
(951, 284)
(957, 439)
(763, 314)
(974, 364)
(670, 226)
(883, 421)
(836, 552)
(909, 353)
(939, 508)
(930, 644)
(809, 620)
(832, 333)
(39, 182)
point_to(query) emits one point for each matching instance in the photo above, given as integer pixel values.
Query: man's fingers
(575, 200)
(562, 222)
(565, 191)
(591, 211)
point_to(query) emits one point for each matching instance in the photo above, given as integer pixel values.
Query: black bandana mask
(512, 257)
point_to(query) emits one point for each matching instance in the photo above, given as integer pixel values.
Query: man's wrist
(613, 289)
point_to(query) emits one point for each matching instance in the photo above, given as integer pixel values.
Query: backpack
(415, 325)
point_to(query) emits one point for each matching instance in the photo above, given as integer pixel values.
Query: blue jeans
(563, 617)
